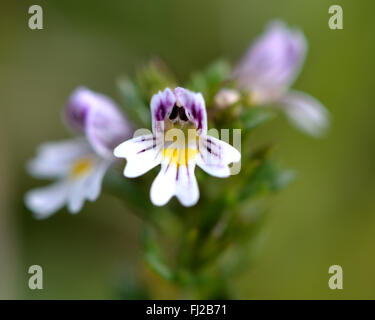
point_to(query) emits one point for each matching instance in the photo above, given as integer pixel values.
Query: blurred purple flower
(269, 68)
(98, 118)
(78, 165)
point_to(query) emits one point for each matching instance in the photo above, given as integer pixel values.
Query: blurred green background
(326, 217)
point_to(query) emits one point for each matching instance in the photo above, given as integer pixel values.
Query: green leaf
(134, 106)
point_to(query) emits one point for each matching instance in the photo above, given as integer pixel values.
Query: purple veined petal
(163, 102)
(272, 63)
(142, 154)
(161, 105)
(215, 156)
(305, 112)
(194, 103)
(176, 178)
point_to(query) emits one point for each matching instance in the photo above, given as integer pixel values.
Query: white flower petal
(43, 202)
(77, 195)
(142, 154)
(54, 159)
(216, 155)
(229, 154)
(164, 186)
(87, 184)
(130, 148)
(94, 180)
(214, 169)
(187, 190)
(305, 112)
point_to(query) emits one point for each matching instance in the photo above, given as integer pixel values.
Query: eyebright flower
(78, 164)
(178, 142)
(269, 68)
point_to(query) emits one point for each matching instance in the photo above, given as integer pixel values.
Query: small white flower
(78, 164)
(79, 172)
(177, 114)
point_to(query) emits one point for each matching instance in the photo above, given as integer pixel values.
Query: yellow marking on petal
(81, 167)
(180, 157)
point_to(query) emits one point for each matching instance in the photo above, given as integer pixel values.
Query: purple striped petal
(161, 106)
(193, 103)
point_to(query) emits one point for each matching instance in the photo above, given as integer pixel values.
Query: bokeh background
(326, 217)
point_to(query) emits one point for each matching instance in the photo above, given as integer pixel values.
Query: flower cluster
(161, 123)
(179, 140)
(79, 164)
